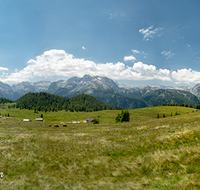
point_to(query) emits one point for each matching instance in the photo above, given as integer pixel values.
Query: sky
(133, 42)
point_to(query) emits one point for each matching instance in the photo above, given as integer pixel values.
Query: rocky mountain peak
(196, 90)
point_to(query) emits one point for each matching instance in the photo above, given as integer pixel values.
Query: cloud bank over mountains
(58, 63)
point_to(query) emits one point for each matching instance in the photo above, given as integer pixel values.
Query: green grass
(106, 116)
(145, 153)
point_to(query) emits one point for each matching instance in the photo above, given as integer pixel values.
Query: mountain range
(108, 91)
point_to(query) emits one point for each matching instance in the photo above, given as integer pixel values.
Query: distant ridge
(106, 90)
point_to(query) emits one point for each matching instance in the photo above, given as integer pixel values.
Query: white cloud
(61, 64)
(129, 58)
(4, 74)
(83, 47)
(135, 51)
(3, 69)
(150, 33)
(58, 63)
(150, 72)
(186, 76)
(167, 54)
(188, 45)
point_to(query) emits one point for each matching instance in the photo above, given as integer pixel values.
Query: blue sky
(133, 42)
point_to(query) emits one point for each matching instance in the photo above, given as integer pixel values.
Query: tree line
(197, 106)
(180, 104)
(5, 100)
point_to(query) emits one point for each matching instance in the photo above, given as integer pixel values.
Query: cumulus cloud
(167, 54)
(61, 64)
(83, 47)
(186, 76)
(129, 58)
(3, 69)
(150, 72)
(150, 32)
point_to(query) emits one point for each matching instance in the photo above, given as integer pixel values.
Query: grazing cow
(64, 125)
(56, 125)
(49, 125)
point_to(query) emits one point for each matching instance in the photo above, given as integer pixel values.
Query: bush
(124, 116)
(176, 113)
(118, 118)
(95, 121)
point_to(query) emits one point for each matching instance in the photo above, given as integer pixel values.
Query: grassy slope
(105, 116)
(146, 153)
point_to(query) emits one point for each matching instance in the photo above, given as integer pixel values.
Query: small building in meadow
(39, 119)
(89, 120)
(26, 120)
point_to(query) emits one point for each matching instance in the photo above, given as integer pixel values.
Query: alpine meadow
(99, 95)
(145, 153)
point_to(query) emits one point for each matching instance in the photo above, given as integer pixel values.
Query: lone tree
(124, 116)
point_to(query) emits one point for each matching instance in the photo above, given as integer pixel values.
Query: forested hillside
(44, 101)
(5, 100)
